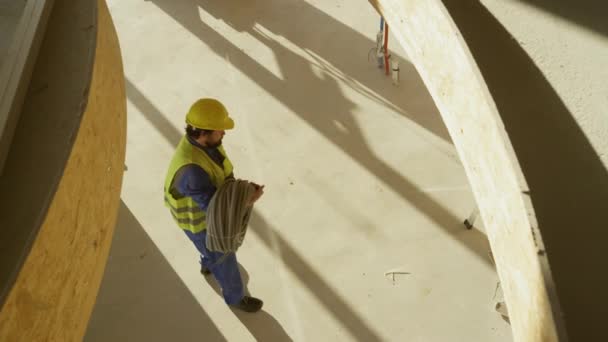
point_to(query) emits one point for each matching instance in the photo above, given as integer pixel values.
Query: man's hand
(259, 191)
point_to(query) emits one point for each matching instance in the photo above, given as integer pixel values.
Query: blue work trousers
(224, 268)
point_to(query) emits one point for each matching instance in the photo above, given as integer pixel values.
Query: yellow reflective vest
(185, 211)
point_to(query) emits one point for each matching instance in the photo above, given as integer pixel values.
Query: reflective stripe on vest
(188, 221)
(186, 213)
(195, 209)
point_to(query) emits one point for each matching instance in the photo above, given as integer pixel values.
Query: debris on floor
(501, 308)
(501, 305)
(390, 274)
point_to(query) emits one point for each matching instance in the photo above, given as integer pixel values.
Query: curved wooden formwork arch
(441, 55)
(63, 173)
(539, 184)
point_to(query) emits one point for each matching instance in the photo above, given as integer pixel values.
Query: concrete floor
(360, 175)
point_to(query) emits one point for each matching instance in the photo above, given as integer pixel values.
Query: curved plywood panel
(442, 56)
(64, 173)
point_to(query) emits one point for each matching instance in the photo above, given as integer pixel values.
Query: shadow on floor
(141, 297)
(590, 14)
(342, 52)
(261, 324)
(152, 114)
(330, 113)
(306, 274)
(336, 48)
(473, 239)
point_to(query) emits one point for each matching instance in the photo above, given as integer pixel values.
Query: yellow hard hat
(209, 114)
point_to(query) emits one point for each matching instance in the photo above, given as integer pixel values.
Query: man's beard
(216, 144)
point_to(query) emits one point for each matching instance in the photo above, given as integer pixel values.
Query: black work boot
(204, 270)
(249, 304)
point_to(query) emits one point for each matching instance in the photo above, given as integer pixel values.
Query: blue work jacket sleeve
(195, 182)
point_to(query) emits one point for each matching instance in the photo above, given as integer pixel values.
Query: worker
(198, 168)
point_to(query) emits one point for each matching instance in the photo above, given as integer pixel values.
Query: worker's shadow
(261, 324)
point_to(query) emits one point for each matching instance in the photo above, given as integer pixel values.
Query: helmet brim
(227, 124)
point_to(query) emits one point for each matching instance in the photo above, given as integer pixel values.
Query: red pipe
(386, 48)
